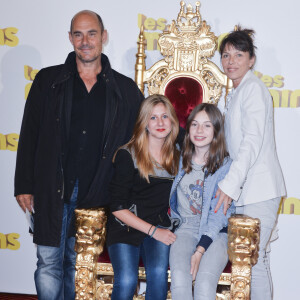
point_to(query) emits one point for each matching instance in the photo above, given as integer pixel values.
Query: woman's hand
(195, 261)
(164, 235)
(223, 198)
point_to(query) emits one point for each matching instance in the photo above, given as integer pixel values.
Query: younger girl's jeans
(211, 265)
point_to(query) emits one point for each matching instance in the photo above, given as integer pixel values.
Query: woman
(144, 172)
(254, 181)
(201, 239)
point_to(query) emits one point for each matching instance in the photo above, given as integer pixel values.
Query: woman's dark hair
(217, 151)
(240, 39)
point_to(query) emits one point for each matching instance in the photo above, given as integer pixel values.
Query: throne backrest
(186, 75)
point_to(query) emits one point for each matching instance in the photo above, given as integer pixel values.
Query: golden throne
(187, 76)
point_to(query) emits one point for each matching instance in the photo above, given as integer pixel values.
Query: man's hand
(223, 198)
(25, 201)
(195, 261)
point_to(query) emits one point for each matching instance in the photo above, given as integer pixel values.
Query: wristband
(153, 231)
(199, 252)
(150, 229)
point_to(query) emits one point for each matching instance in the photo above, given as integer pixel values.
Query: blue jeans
(125, 261)
(55, 274)
(211, 265)
(266, 211)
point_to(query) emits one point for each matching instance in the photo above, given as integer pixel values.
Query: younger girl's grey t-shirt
(190, 191)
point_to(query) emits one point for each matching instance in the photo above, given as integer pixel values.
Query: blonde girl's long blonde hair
(139, 141)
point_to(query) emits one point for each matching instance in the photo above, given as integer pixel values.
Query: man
(76, 116)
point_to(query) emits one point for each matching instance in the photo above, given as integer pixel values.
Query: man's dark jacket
(41, 144)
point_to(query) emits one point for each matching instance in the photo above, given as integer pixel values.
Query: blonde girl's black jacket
(44, 132)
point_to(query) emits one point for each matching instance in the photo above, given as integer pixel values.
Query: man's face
(86, 37)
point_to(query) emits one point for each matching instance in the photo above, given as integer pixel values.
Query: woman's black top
(129, 189)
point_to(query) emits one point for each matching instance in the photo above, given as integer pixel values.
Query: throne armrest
(243, 246)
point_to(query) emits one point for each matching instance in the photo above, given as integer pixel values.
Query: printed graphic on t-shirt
(193, 193)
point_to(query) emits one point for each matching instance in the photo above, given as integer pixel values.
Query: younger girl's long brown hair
(139, 141)
(217, 150)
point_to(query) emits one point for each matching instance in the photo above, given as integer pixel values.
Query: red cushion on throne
(184, 93)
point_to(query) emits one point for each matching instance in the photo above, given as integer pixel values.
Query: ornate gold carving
(90, 239)
(105, 269)
(156, 80)
(225, 295)
(104, 290)
(189, 15)
(214, 87)
(225, 279)
(243, 246)
(140, 66)
(186, 44)
(186, 47)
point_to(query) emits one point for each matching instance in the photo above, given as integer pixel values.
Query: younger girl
(140, 189)
(200, 250)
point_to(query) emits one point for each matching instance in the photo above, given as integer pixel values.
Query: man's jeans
(211, 265)
(55, 274)
(125, 261)
(266, 211)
